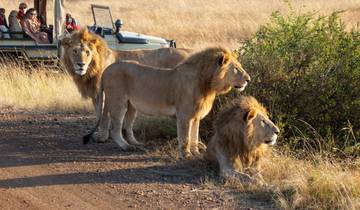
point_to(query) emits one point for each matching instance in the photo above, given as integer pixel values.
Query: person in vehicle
(45, 28)
(4, 28)
(32, 27)
(22, 10)
(71, 24)
(14, 26)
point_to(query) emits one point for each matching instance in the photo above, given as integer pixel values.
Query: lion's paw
(202, 146)
(95, 138)
(128, 148)
(186, 155)
(195, 152)
(141, 147)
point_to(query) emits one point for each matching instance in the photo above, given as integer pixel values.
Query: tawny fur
(102, 56)
(186, 91)
(235, 146)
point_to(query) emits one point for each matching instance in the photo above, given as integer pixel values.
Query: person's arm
(28, 31)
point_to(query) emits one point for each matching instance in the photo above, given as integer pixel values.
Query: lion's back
(163, 57)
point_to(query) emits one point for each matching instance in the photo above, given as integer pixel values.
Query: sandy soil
(44, 165)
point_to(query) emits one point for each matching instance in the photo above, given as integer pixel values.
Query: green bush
(306, 70)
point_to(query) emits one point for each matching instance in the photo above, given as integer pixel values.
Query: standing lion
(243, 133)
(86, 55)
(186, 91)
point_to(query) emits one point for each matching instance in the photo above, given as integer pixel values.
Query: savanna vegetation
(304, 59)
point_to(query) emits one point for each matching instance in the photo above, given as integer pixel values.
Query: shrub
(306, 70)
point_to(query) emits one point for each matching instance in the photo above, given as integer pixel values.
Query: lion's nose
(247, 77)
(277, 131)
(81, 64)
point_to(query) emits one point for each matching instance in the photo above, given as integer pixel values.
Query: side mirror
(118, 25)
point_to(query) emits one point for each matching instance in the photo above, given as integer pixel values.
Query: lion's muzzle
(241, 87)
(80, 69)
(274, 137)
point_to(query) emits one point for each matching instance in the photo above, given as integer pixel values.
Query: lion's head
(220, 70)
(232, 72)
(245, 124)
(84, 53)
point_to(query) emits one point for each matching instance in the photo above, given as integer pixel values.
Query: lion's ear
(85, 33)
(66, 42)
(87, 36)
(224, 59)
(249, 115)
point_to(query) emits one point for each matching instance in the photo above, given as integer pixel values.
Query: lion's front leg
(195, 137)
(228, 171)
(183, 134)
(238, 176)
(255, 173)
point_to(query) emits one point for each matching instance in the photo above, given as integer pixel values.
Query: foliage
(306, 70)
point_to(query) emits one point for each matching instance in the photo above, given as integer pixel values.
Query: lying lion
(86, 55)
(243, 132)
(187, 91)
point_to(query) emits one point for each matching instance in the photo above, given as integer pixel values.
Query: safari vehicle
(18, 45)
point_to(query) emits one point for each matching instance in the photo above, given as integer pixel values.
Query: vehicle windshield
(102, 16)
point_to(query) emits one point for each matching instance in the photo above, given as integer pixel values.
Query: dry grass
(202, 22)
(316, 184)
(39, 89)
(302, 184)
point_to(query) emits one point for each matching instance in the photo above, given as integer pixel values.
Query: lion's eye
(74, 51)
(263, 122)
(87, 52)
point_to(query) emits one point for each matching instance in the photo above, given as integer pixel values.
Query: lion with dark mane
(243, 133)
(186, 91)
(86, 55)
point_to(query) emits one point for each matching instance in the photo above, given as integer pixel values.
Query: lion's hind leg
(117, 117)
(128, 125)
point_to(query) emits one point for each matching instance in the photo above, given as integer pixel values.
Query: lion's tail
(99, 113)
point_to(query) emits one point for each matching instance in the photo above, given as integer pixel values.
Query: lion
(186, 92)
(86, 55)
(243, 133)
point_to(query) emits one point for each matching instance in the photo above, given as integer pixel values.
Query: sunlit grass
(315, 183)
(38, 89)
(201, 23)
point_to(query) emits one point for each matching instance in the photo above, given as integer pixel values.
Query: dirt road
(44, 165)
